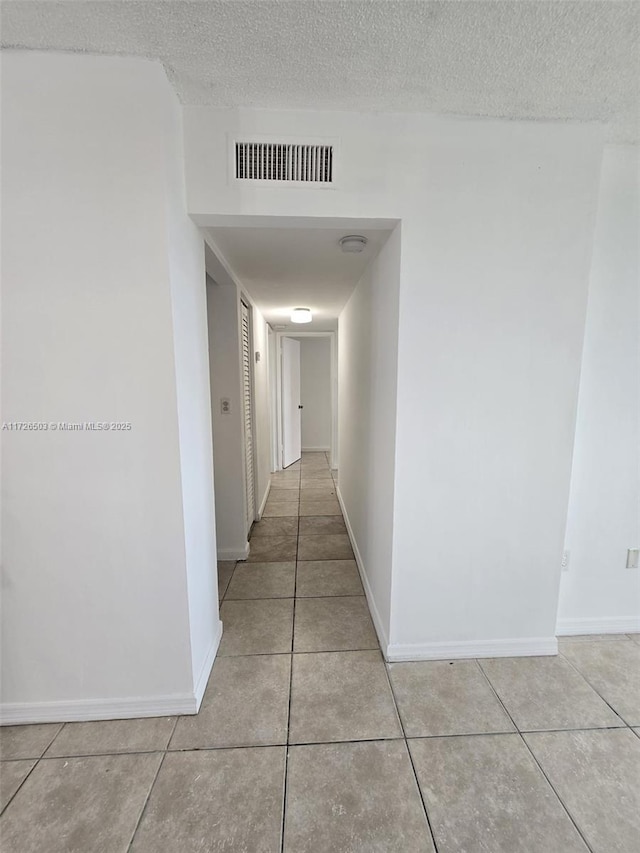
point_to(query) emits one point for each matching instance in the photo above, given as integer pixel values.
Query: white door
(247, 412)
(291, 408)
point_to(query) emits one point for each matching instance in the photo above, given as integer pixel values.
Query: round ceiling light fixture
(353, 243)
(301, 315)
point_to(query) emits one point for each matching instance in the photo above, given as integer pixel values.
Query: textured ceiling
(285, 268)
(534, 60)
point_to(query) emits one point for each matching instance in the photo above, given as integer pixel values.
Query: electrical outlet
(632, 558)
(566, 556)
(225, 405)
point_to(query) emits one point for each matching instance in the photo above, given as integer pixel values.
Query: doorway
(305, 405)
(291, 406)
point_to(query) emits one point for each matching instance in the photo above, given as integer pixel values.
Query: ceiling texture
(511, 59)
(508, 59)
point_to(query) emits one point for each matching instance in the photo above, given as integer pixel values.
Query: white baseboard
(229, 554)
(375, 615)
(520, 647)
(264, 500)
(18, 713)
(205, 671)
(316, 449)
(75, 710)
(590, 625)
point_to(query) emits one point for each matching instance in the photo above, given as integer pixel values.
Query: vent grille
(284, 162)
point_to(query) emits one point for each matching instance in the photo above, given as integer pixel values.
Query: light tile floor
(308, 742)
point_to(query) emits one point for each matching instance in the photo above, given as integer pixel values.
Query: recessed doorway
(306, 394)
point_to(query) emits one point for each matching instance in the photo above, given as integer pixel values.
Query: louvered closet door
(248, 415)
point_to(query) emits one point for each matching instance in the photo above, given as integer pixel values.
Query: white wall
(597, 592)
(100, 553)
(191, 352)
(367, 380)
(228, 429)
(488, 367)
(315, 393)
(497, 227)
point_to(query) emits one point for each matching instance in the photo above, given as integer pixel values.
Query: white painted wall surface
(315, 393)
(191, 351)
(598, 593)
(96, 597)
(490, 344)
(223, 304)
(497, 226)
(367, 380)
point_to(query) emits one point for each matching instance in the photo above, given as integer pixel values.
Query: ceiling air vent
(284, 162)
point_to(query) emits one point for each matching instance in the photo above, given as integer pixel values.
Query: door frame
(333, 337)
(243, 298)
(291, 402)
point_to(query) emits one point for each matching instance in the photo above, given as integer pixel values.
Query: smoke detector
(353, 243)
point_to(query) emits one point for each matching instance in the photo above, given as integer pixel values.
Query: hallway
(306, 735)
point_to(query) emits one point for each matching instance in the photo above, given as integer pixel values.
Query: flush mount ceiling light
(301, 315)
(353, 243)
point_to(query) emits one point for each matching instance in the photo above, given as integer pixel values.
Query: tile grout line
(226, 589)
(248, 745)
(531, 753)
(406, 746)
(50, 744)
(175, 725)
(293, 626)
(312, 652)
(36, 761)
(305, 597)
(595, 689)
(35, 764)
(165, 752)
(286, 749)
(147, 798)
(517, 731)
